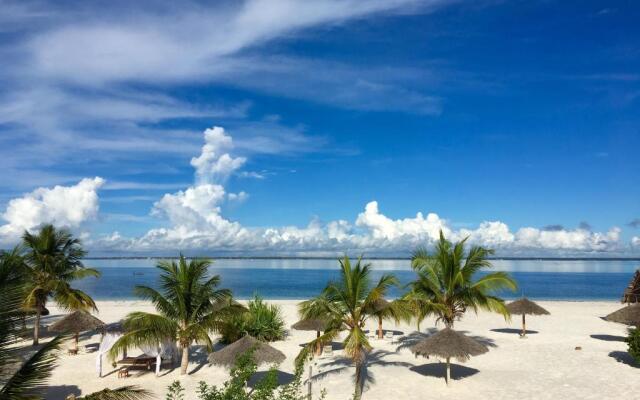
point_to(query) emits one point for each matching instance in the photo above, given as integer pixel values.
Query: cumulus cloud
(214, 164)
(67, 206)
(196, 222)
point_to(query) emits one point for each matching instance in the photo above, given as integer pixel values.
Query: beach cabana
(525, 307)
(628, 315)
(311, 325)
(448, 344)
(262, 352)
(76, 322)
(114, 331)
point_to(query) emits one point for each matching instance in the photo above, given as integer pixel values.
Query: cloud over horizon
(196, 222)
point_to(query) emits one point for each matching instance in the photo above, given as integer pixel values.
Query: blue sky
(519, 113)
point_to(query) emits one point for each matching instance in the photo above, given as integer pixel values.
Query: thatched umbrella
(311, 325)
(449, 344)
(523, 307)
(628, 315)
(262, 352)
(76, 322)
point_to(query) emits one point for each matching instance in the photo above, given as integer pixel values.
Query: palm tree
(347, 304)
(447, 284)
(189, 307)
(21, 380)
(53, 260)
(121, 393)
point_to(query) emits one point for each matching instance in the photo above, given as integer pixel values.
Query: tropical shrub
(266, 389)
(262, 320)
(633, 341)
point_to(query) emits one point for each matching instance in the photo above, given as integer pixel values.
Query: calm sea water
(298, 278)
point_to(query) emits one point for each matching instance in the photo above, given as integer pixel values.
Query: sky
(322, 127)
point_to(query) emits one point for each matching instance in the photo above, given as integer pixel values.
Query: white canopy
(165, 350)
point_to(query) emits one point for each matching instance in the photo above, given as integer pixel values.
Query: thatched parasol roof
(629, 315)
(78, 321)
(448, 343)
(526, 306)
(310, 325)
(632, 293)
(113, 327)
(380, 305)
(262, 354)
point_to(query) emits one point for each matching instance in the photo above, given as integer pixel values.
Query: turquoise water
(303, 278)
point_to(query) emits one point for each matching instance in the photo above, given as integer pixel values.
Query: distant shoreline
(367, 258)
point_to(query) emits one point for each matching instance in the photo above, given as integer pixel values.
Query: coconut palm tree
(52, 261)
(448, 284)
(189, 306)
(347, 304)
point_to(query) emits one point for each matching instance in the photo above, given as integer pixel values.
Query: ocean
(304, 278)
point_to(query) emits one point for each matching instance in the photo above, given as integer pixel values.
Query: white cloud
(67, 206)
(214, 164)
(635, 241)
(238, 197)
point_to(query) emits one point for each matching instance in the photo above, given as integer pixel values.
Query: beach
(545, 365)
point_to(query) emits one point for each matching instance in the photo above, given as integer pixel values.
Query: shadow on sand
(61, 391)
(608, 338)
(625, 358)
(513, 331)
(439, 370)
(284, 378)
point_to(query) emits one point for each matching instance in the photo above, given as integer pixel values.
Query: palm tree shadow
(625, 358)
(608, 338)
(61, 391)
(198, 354)
(439, 370)
(513, 330)
(375, 358)
(482, 339)
(412, 339)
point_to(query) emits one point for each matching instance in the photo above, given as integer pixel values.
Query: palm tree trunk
(358, 390)
(36, 328)
(185, 360)
(380, 335)
(448, 370)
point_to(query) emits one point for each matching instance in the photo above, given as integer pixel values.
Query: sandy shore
(543, 366)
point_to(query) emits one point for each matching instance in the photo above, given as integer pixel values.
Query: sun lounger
(145, 362)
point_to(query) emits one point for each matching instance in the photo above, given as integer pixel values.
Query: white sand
(543, 366)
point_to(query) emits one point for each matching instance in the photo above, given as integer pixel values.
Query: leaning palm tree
(53, 260)
(448, 284)
(347, 304)
(189, 305)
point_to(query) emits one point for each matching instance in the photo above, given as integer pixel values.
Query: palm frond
(122, 393)
(29, 381)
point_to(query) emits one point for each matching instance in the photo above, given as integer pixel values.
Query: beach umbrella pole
(524, 326)
(448, 370)
(380, 335)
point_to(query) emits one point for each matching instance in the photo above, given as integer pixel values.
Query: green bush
(236, 387)
(633, 341)
(261, 320)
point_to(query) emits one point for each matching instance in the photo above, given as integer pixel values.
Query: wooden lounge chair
(137, 362)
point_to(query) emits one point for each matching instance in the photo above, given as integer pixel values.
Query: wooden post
(318, 344)
(309, 380)
(380, 334)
